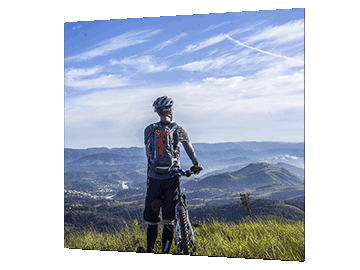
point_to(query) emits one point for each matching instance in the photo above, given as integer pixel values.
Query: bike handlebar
(182, 172)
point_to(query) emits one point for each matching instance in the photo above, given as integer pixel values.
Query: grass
(273, 239)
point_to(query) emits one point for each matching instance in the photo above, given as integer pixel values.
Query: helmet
(163, 104)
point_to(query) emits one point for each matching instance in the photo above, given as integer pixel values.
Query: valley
(116, 177)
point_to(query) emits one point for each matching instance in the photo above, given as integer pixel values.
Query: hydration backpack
(164, 144)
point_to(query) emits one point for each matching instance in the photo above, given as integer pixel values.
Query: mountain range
(212, 156)
(267, 169)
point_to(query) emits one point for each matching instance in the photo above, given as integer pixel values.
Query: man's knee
(168, 222)
(153, 223)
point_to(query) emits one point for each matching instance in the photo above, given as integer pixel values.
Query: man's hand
(196, 169)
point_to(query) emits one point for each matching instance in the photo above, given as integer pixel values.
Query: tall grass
(274, 239)
(125, 239)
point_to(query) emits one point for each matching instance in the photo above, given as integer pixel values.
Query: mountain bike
(184, 234)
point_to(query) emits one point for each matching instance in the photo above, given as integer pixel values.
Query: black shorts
(161, 193)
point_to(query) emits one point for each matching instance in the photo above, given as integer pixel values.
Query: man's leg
(151, 235)
(167, 236)
(151, 213)
(169, 203)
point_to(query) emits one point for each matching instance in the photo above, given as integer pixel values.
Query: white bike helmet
(163, 104)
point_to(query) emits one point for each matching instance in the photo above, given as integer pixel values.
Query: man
(162, 143)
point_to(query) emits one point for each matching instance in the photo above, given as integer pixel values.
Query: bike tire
(184, 231)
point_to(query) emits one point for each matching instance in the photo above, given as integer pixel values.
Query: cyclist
(162, 143)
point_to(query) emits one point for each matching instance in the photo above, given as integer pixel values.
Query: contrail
(276, 55)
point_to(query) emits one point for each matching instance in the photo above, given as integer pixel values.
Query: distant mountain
(225, 154)
(203, 150)
(254, 175)
(248, 147)
(299, 172)
(74, 154)
(297, 161)
(106, 159)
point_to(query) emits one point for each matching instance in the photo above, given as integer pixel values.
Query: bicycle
(184, 234)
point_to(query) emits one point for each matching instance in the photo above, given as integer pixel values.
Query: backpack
(163, 144)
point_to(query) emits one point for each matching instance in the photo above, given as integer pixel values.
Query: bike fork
(177, 232)
(177, 229)
(192, 237)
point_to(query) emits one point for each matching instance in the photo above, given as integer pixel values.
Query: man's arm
(189, 149)
(191, 152)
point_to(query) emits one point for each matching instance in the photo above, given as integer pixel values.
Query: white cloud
(213, 52)
(168, 42)
(244, 29)
(224, 81)
(208, 42)
(104, 81)
(221, 63)
(195, 66)
(74, 73)
(291, 31)
(110, 45)
(145, 64)
(85, 79)
(214, 26)
(76, 27)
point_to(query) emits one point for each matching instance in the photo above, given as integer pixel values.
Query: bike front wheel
(184, 231)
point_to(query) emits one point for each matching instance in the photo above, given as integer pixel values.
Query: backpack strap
(172, 140)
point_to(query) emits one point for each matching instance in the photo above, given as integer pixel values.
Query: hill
(254, 175)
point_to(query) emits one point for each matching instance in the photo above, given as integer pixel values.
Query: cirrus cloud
(145, 63)
(113, 44)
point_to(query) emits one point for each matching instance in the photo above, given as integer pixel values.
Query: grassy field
(273, 239)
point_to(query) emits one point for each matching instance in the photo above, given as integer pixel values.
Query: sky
(232, 76)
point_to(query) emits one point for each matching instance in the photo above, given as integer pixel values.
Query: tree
(244, 201)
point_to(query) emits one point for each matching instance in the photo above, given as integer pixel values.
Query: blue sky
(232, 76)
